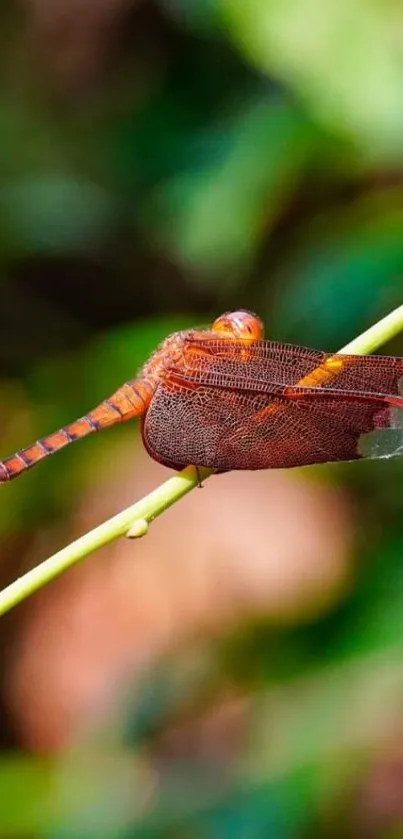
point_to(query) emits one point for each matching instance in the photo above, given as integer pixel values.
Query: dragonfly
(227, 399)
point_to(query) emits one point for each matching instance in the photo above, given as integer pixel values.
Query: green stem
(378, 334)
(133, 521)
(123, 524)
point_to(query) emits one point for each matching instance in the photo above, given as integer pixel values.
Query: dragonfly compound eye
(242, 324)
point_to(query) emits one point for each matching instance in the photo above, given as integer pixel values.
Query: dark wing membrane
(225, 428)
(193, 426)
(285, 364)
(278, 363)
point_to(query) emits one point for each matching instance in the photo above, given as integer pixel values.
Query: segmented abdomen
(12, 466)
(129, 401)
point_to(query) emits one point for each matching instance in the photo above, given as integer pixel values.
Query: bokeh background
(239, 672)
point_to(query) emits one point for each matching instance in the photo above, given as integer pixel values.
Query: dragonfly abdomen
(12, 466)
(129, 401)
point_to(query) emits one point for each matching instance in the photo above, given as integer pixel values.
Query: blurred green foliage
(215, 154)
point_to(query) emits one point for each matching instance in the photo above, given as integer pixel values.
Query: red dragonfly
(226, 399)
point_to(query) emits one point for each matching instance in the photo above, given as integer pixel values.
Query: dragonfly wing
(230, 430)
(285, 434)
(272, 363)
(384, 442)
(246, 428)
(275, 363)
(324, 427)
(381, 444)
(190, 425)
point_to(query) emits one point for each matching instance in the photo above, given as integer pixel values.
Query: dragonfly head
(242, 324)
